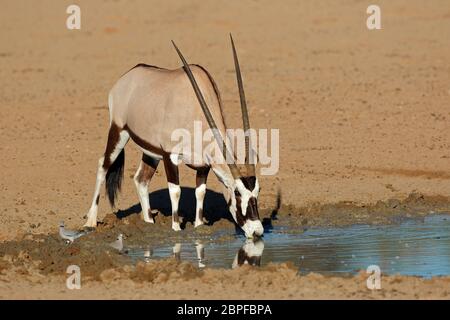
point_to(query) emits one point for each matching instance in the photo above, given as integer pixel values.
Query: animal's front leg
(175, 193)
(174, 190)
(200, 191)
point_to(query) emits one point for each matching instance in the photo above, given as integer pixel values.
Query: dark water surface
(414, 247)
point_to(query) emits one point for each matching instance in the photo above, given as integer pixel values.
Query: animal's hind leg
(117, 139)
(174, 190)
(144, 174)
(200, 191)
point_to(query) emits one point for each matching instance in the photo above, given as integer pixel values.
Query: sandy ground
(363, 116)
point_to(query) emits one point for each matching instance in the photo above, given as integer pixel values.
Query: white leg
(200, 192)
(103, 164)
(142, 191)
(92, 214)
(175, 193)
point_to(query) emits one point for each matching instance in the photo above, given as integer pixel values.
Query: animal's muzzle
(253, 229)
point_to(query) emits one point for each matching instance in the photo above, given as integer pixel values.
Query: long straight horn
(244, 110)
(212, 124)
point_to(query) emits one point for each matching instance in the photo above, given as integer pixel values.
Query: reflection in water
(148, 254)
(412, 248)
(200, 249)
(250, 253)
(177, 251)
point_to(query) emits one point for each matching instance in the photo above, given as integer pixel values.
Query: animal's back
(152, 102)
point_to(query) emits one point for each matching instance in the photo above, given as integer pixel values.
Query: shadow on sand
(215, 206)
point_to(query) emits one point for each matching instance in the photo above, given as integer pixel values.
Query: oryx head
(244, 190)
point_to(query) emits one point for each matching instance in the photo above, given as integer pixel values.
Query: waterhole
(413, 247)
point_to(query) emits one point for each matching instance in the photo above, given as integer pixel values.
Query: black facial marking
(251, 260)
(239, 216)
(252, 209)
(251, 213)
(249, 182)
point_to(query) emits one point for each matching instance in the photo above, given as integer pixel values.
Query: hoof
(90, 225)
(198, 223)
(176, 226)
(88, 229)
(149, 220)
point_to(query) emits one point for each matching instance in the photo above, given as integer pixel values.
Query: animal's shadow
(215, 207)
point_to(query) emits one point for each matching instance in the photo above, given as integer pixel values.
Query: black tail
(114, 178)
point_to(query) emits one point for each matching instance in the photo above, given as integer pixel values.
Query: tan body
(151, 103)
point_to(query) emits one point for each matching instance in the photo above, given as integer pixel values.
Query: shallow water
(414, 247)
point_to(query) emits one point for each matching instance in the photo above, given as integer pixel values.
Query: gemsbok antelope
(147, 104)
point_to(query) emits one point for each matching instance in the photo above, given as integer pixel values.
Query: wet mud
(93, 253)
